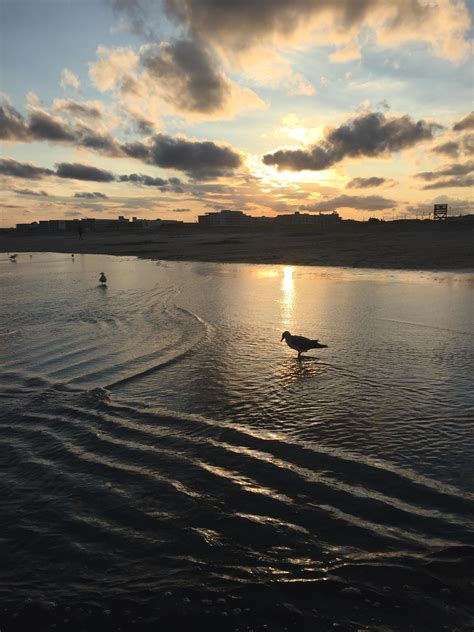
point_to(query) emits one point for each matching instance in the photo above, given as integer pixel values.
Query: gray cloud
(138, 17)
(76, 108)
(456, 169)
(457, 206)
(464, 145)
(10, 167)
(90, 195)
(368, 203)
(241, 25)
(142, 126)
(83, 172)
(137, 150)
(103, 143)
(365, 183)
(370, 134)
(188, 75)
(451, 148)
(171, 184)
(460, 181)
(31, 192)
(466, 123)
(146, 180)
(43, 126)
(12, 124)
(180, 210)
(199, 159)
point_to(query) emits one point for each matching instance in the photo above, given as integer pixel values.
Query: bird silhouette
(300, 343)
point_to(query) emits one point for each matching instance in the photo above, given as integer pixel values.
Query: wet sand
(418, 246)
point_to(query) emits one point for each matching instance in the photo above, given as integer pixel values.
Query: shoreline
(424, 248)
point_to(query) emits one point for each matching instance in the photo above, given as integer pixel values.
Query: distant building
(224, 218)
(157, 223)
(297, 219)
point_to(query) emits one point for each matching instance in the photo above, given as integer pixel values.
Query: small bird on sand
(300, 343)
(102, 278)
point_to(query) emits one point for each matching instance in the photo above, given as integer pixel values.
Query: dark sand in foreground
(418, 246)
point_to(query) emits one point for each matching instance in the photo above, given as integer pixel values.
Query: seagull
(102, 278)
(300, 343)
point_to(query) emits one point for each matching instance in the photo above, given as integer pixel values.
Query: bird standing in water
(102, 278)
(300, 343)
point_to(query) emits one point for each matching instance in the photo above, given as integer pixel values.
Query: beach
(399, 245)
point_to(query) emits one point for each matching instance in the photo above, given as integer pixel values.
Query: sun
(271, 177)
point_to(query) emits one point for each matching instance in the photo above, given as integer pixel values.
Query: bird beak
(281, 339)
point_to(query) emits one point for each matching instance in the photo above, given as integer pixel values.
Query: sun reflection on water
(287, 297)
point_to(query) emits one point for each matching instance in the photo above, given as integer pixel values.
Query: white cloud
(69, 80)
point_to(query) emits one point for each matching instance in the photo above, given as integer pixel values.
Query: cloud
(83, 172)
(456, 206)
(460, 181)
(43, 126)
(183, 74)
(188, 75)
(466, 123)
(180, 210)
(246, 24)
(87, 109)
(146, 180)
(369, 203)
(454, 175)
(202, 159)
(365, 183)
(370, 134)
(73, 214)
(137, 16)
(10, 167)
(69, 80)
(114, 67)
(456, 169)
(451, 148)
(12, 124)
(90, 195)
(31, 192)
(199, 159)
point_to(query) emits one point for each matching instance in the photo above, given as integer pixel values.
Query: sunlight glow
(288, 297)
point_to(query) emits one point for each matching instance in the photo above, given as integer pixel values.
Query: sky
(173, 108)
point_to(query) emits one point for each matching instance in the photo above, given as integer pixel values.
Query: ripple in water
(157, 437)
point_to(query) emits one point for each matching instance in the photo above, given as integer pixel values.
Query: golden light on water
(287, 296)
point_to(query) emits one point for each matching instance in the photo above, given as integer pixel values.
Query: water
(156, 435)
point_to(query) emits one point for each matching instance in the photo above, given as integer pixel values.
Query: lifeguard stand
(440, 211)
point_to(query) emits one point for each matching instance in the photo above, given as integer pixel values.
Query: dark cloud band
(371, 134)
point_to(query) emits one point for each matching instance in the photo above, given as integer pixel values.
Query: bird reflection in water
(292, 369)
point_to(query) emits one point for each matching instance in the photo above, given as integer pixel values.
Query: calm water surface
(156, 435)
